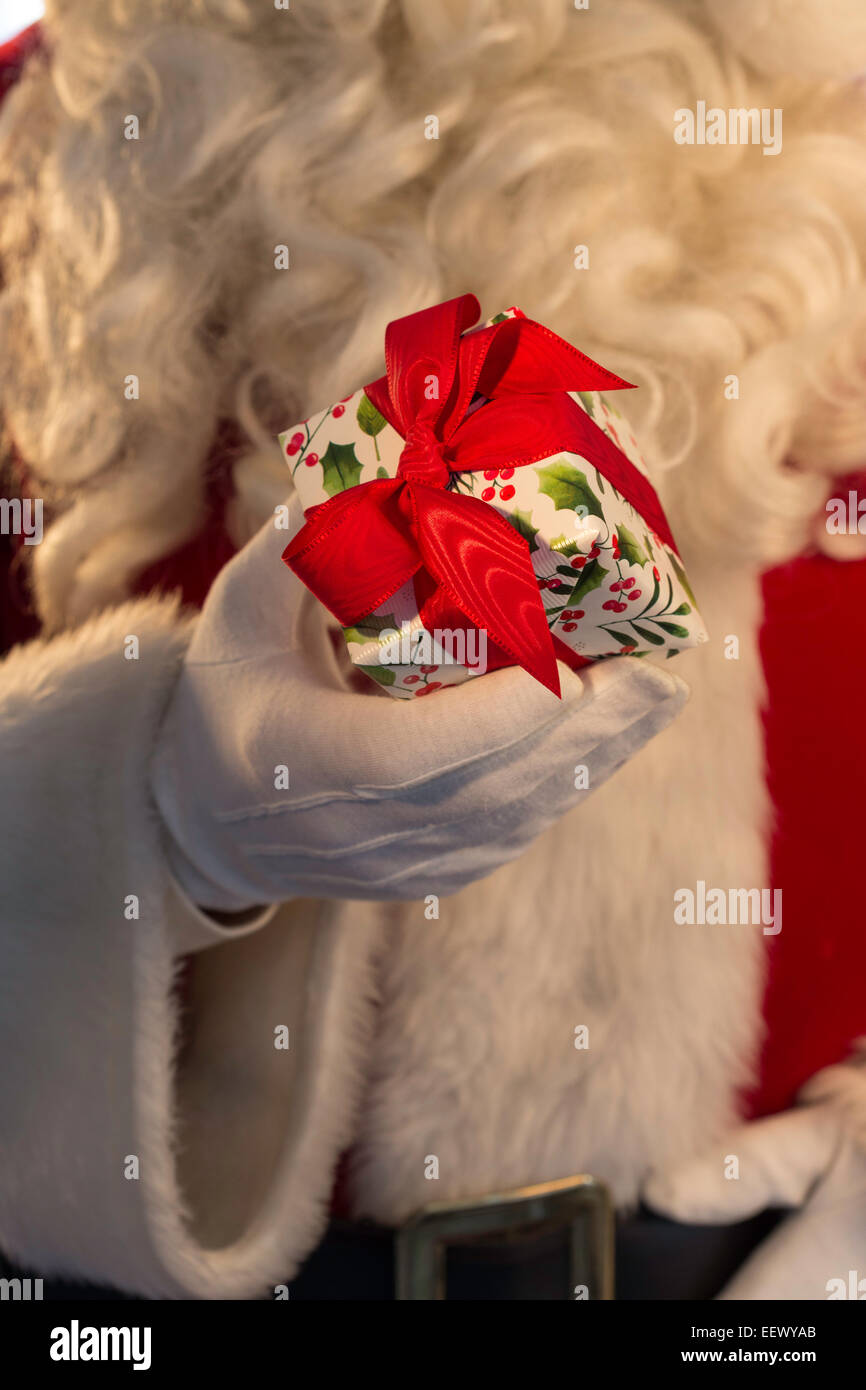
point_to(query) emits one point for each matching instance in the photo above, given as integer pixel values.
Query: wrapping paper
(609, 583)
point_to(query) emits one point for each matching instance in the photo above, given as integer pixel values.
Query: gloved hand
(387, 799)
(812, 1158)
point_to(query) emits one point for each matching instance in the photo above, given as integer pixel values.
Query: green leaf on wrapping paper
(382, 472)
(681, 576)
(522, 523)
(675, 629)
(498, 318)
(464, 483)
(562, 545)
(683, 608)
(649, 550)
(568, 488)
(368, 629)
(600, 480)
(586, 400)
(622, 637)
(629, 547)
(648, 636)
(382, 675)
(340, 468)
(592, 576)
(370, 420)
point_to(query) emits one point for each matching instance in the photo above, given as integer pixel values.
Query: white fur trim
(88, 1021)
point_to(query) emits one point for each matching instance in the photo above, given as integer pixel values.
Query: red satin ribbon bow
(470, 566)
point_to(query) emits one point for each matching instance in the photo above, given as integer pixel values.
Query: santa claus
(211, 989)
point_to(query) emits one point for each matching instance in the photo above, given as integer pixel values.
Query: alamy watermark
(740, 125)
(21, 517)
(846, 518)
(77, 1343)
(713, 907)
(20, 1290)
(415, 646)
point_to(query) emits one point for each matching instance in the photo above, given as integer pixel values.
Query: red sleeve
(814, 657)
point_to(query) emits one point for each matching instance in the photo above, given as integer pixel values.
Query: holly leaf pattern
(681, 576)
(629, 547)
(592, 576)
(382, 472)
(370, 420)
(341, 468)
(587, 402)
(675, 629)
(522, 523)
(569, 489)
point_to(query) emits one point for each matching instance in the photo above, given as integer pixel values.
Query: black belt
(538, 1255)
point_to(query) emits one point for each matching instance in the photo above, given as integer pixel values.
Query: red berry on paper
(616, 555)
(311, 460)
(656, 575)
(554, 583)
(578, 613)
(506, 473)
(578, 562)
(635, 593)
(490, 474)
(628, 583)
(621, 607)
(615, 586)
(611, 605)
(345, 398)
(614, 540)
(488, 494)
(294, 444)
(595, 552)
(429, 669)
(426, 689)
(338, 411)
(411, 680)
(569, 627)
(506, 493)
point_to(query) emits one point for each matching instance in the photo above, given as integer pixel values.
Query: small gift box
(482, 505)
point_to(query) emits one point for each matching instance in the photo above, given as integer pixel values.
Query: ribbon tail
(482, 567)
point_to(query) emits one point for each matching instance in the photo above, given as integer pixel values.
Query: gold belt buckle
(578, 1202)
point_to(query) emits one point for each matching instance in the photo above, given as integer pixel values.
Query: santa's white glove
(812, 1158)
(386, 799)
